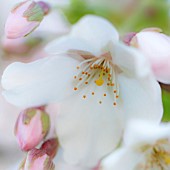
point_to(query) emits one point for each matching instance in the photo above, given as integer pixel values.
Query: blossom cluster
(106, 88)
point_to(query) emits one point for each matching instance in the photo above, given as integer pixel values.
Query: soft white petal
(88, 130)
(149, 132)
(96, 31)
(68, 44)
(141, 98)
(40, 82)
(91, 34)
(121, 159)
(60, 164)
(129, 60)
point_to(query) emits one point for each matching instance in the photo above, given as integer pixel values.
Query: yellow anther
(84, 96)
(167, 159)
(75, 88)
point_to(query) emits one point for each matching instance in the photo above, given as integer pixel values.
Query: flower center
(96, 73)
(157, 157)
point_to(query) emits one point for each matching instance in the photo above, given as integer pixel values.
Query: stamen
(167, 159)
(75, 88)
(84, 96)
(102, 72)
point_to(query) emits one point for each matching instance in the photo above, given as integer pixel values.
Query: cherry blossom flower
(99, 83)
(146, 146)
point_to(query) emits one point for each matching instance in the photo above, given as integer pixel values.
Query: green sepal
(22, 165)
(28, 115)
(48, 164)
(45, 120)
(34, 13)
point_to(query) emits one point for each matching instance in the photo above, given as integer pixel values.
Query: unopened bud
(128, 37)
(155, 46)
(37, 159)
(24, 18)
(31, 128)
(50, 147)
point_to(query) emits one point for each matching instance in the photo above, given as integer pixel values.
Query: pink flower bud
(44, 6)
(37, 160)
(50, 147)
(31, 128)
(155, 46)
(24, 18)
(128, 37)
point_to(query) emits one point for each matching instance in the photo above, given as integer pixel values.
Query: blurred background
(126, 15)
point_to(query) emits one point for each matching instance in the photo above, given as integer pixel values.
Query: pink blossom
(37, 160)
(155, 46)
(31, 127)
(23, 19)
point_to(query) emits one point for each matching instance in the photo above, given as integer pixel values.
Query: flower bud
(24, 18)
(155, 46)
(31, 128)
(37, 160)
(128, 37)
(50, 147)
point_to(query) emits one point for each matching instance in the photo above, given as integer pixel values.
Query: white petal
(149, 132)
(67, 44)
(129, 60)
(122, 159)
(139, 90)
(141, 98)
(39, 82)
(96, 31)
(91, 34)
(60, 164)
(88, 130)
